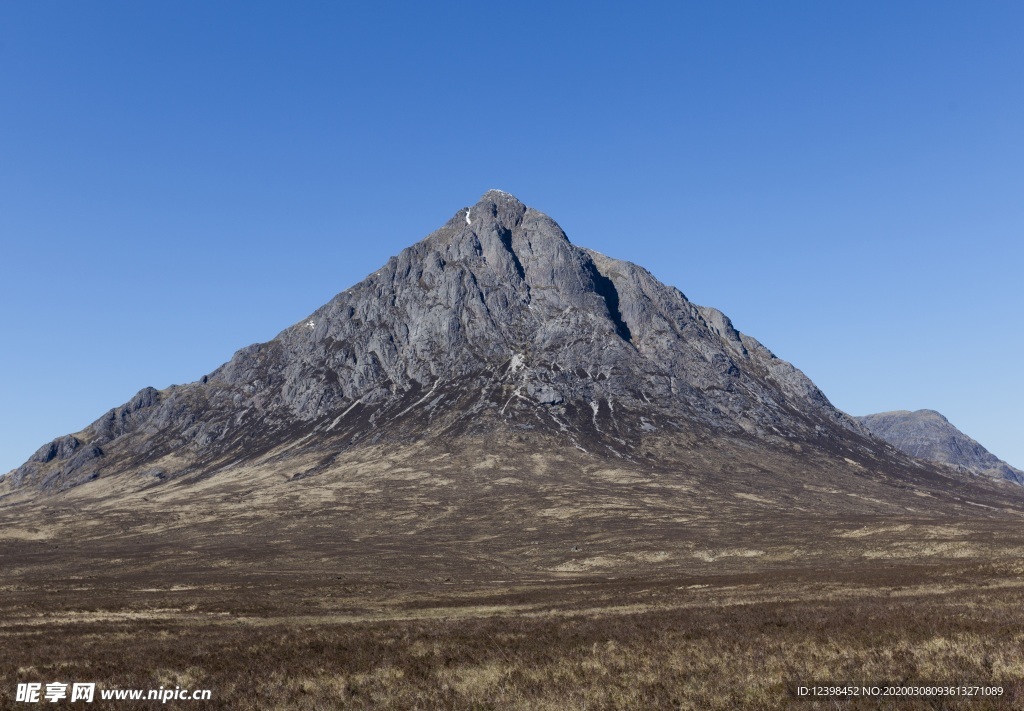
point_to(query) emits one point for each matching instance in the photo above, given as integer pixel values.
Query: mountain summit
(493, 325)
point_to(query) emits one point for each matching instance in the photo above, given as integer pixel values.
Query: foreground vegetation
(670, 644)
(391, 585)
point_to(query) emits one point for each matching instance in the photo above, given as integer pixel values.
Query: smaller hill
(926, 434)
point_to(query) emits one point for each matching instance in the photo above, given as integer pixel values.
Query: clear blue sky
(845, 180)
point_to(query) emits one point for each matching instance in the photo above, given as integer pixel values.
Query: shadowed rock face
(926, 434)
(493, 323)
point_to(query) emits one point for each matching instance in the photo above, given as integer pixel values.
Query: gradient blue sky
(844, 180)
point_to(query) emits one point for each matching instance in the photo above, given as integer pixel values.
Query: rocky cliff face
(495, 323)
(926, 434)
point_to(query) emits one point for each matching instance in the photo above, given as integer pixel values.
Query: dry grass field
(433, 581)
(308, 641)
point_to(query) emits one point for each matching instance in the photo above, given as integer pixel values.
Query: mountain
(497, 449)
(493, 334)
(926, 434)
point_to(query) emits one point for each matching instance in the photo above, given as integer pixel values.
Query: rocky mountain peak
(494, 208)
(495, 322)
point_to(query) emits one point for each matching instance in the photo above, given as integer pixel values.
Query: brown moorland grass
(667, 646)
(587, 588)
